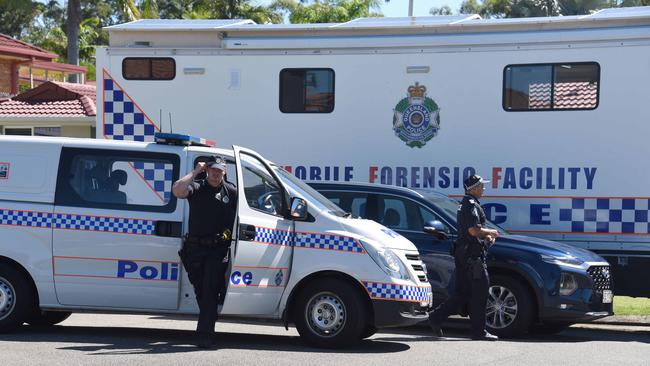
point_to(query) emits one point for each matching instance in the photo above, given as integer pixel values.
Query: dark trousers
(206, 270)
(471, 292)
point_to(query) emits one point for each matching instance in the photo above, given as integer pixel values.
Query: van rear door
(117, 229)
(263, 251)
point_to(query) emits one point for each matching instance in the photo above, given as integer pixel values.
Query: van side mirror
(298, 209)
(437, 228)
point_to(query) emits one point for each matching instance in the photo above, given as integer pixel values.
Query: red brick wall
(6, 77)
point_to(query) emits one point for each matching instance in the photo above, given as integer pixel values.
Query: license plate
(607, 297)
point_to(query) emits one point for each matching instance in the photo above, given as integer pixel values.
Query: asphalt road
(86, 339)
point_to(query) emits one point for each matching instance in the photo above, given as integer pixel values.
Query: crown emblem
(417, 90)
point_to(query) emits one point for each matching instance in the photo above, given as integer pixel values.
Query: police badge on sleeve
(416, 118)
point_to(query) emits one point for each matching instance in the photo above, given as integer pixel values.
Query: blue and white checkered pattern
(107, 224)
(391, 291)
(272, 236)
(328, 242)
(123, 120)
(26, 218)
(608, 215)
(308, 240)
(159, 177)
(76, 222)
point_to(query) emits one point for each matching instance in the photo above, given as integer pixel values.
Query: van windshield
(309, 194)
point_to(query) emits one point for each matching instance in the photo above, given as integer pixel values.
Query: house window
(148, 68)
(307, 90)
(545, 87)
(33, 131)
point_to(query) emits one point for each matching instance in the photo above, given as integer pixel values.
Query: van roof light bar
(166, 138)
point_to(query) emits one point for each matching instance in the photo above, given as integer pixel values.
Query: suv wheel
(16, 298)
(330, 313)
(509, 307)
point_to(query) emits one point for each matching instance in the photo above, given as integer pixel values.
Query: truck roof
(382, 25)
(228, 34)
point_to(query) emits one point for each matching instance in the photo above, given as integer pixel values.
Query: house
(50, 109)
(22, 64)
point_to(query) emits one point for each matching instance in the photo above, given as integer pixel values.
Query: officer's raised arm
(182, 187)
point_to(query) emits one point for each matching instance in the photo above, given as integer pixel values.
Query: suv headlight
(563, 260)
(568, 284)
(388, 261)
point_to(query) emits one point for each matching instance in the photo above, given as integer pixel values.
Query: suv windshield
(309, 194)
(450, 207)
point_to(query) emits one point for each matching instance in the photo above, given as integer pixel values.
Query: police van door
(117, 229)
(263, 251)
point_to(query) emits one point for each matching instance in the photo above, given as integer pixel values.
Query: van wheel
(16, 298)
(48, 318)
(509, 307)
(330, 313)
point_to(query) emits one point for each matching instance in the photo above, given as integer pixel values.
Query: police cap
(473, 181)
(217, 162)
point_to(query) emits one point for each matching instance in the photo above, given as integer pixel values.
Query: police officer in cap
(470, 251)
(213, 205)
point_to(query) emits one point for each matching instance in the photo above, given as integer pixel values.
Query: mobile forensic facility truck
(551, 110)
(91, 225)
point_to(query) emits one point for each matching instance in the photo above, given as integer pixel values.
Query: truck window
(307, 90)
(148, 68)
(549, 87)
(119, 180)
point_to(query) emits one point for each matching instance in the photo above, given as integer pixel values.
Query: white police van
(91, 225)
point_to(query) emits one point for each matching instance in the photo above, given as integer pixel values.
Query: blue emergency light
(167, 138)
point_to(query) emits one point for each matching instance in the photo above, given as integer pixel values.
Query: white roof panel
(180, 24)
(637, 11)
(406, 21)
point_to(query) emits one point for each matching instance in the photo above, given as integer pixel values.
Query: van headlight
(568, 284)
(563, 260)
(388, 261)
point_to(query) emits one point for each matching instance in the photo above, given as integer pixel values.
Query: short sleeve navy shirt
(212, 209)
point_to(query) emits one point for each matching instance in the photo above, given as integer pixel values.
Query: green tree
(328, 11)
(443, 10)
(17, 16)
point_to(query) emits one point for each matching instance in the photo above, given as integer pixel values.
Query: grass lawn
(624, 305)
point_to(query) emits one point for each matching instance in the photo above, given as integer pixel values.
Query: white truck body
(562, 160)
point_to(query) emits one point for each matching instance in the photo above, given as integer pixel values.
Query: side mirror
(437, 228)
(298, 209)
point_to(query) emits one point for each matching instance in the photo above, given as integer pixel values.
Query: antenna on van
(171, 130)
(160, 117)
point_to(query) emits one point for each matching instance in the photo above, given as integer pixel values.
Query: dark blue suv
(535, 284)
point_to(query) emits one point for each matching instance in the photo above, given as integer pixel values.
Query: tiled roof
(65, 108)
(12, 46)
(567, 95)
(52, 99)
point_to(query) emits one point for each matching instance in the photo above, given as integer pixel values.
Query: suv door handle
(247, 232)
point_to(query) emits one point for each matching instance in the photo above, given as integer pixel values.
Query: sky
(400, 8)
(393, 8)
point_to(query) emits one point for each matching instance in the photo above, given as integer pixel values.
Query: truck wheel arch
(287, 313)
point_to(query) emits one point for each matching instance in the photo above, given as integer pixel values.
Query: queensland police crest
(416, 118)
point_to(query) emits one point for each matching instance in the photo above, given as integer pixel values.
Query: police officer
(213, 203)
(470, 251)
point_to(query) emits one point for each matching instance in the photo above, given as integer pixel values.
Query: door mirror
(437, 228)
(298, 209)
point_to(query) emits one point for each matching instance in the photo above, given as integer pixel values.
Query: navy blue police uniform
(472, 281)
(206, 247)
